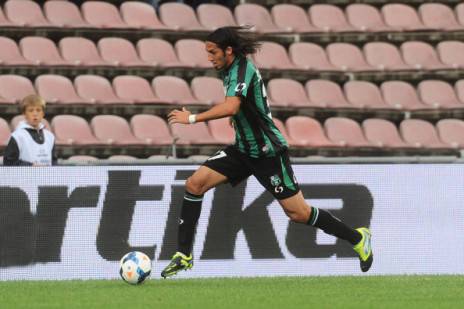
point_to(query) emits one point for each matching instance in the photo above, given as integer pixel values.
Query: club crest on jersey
(275, 180)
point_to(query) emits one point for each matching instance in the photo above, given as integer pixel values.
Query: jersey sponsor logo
(240, 87)
(220, 154)
(275, 180)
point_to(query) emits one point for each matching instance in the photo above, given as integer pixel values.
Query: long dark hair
(242, 41)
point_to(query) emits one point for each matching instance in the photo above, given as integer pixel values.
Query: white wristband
(192, 118)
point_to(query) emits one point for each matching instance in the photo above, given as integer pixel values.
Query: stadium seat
(13, 88)
(208, 89)
(213, 16)
(121, 158)
(179, 16)
(326, 93)
(420, 133)
(73, 130)
(4, 22)
(451, 53)
(174, 90)
(438, 94)
(158, 52)
(287, 92)
(346, 132)
(134, 89)
(64, 14)
(384, 56)
(114, 130)
(329, 17)
(119, 51)
(399, 94)
(81, 159)
(451, 132)
(192, 53)
(97, 89)
(439, 16)
(5, 132)
(347, 57)
(101, 14)
(310, 56)
(10, 54)
(459, 10)
(58, 89)
(383, 133)
(273, 56)
(365, 17)
(151, 128)
(281, 127)
(18, 118)
(81, 51)
(193, 134)
(421, 55)
(25, 13)
(141, 15)
(459, 88)
(402, 16)
(41, 51)
(306, 132)
(258, 16)
(292, 18)
(222, 130)
(364, 94)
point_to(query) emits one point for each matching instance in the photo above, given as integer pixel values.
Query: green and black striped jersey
(255, 133)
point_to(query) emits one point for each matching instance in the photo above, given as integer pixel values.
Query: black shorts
(274, 173)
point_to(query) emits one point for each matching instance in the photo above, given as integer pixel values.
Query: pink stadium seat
(365, 17)
(258, 16)
(208, 89)
(273, 56)
(10, 54)
(287, 92)
(97, 89)
(439, 16)
(438, 94)
(451, 53)
(151, 128)
(192, 52)
(14, 88)
(281, 127)
(310, 56)
(119, 51)
(81, 51)
(346, 132)
(64, 14)
(402, 16)
(81, 159)
(347, 57)
(399, 94)
(222, 131)
(325, 93)
(451, 132)
(18, 118)
(383, 133)
(114, 130)
(421, 56)
(306, 131)
(121, 158)
(174, 90)
(292, 18)
(5, 132)
(196, 134)
(102, 14)
(213, 16)
(364, 94)
(179, 16)
(41, 51)
(158, 52)
(73, 130)
(4, 22)
(459, 88)
(329, 17)
(25, 13)
(459, 10)
(134, 89)
(141, 15)
(420, 133)
(384, 56)
(58, 89)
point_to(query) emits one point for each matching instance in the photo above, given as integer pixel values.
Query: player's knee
(298, 216)
(195, 186)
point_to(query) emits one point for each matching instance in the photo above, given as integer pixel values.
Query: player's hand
(179, 116)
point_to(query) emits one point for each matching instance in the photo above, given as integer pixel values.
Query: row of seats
(150, 52)
(203, 90)
(282, 18)
(300, 131)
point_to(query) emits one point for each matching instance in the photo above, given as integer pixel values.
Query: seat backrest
(254, 14)
(307, 131)
(400, 94)
(151, 128)
(94, 88)
(364, 94)
(192, 53)
(78, 50)
(55, 88)
(39, 49)
(328, 17)
(196, 133)
(72, 129)
(133, 88)
(15, 87)
(64, 13)
(383, 55)
(325, 93)
(451, 132)
(76, 159)
(222, 131)
(291, 17)
(25, 13)
(345, 132)
(117, 50)
(156, 51)
(172, 89)
(401, 16)
(179, 16)
(213, 16)
(451, 53)
(382, 132)
(102, 14)
(345, 56)
(18, 118)
(272, 56)
(281, 127)
(208, 89)
(283, 91)
(419, 54)
(5, 132)
(437, 93)
(9, 51)
(309, 56)
(459, 10)
(459, 88)
(437, 16)
(111, 128)
(364, 17)
(420, 133)
(140, 15)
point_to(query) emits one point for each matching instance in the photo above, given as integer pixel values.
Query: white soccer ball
(135, 267)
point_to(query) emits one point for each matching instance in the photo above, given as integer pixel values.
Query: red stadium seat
(399, 94)
(292, 18)
(451, 132)
(13, 88)
(64, 14)
(5, 132)
(114, 130)
(119, 51)
(347, 57)
(222, 131)
(158, 52)
(97, 89)
(402, 16)
(179, 16)
(383, 133)
(273, 56)
(420, 133)
(41, 51)
(439, 16)
(287, 92)
(73, 130)
(4, 22)
(81, 51)
(305, 131)
(10, 54)
(459, 88)
(25, 13)
(208, 89)
(213, 16)
(258, 16)
(451, 53)
(58, 89)
(438, 94)
(192, 52)
(459, 10)
(102, 14)
(346, 132)
(421, 56)
(384, 56)
(18, 118)
(325, 93)
(134, 89)
(141, 15)
(310, 56)
(365, 17)
(174, 90)
(281, 127)
(151, 128)
(364, 94)
(329, 17)
(193, 134)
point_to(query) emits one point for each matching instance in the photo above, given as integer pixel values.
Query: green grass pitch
(276, 292)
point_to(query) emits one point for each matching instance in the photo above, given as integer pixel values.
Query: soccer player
(259, 150)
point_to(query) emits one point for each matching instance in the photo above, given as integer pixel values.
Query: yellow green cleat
(364, 249)
(178, 262)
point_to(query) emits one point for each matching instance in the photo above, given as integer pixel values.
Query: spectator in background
(30, 143)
